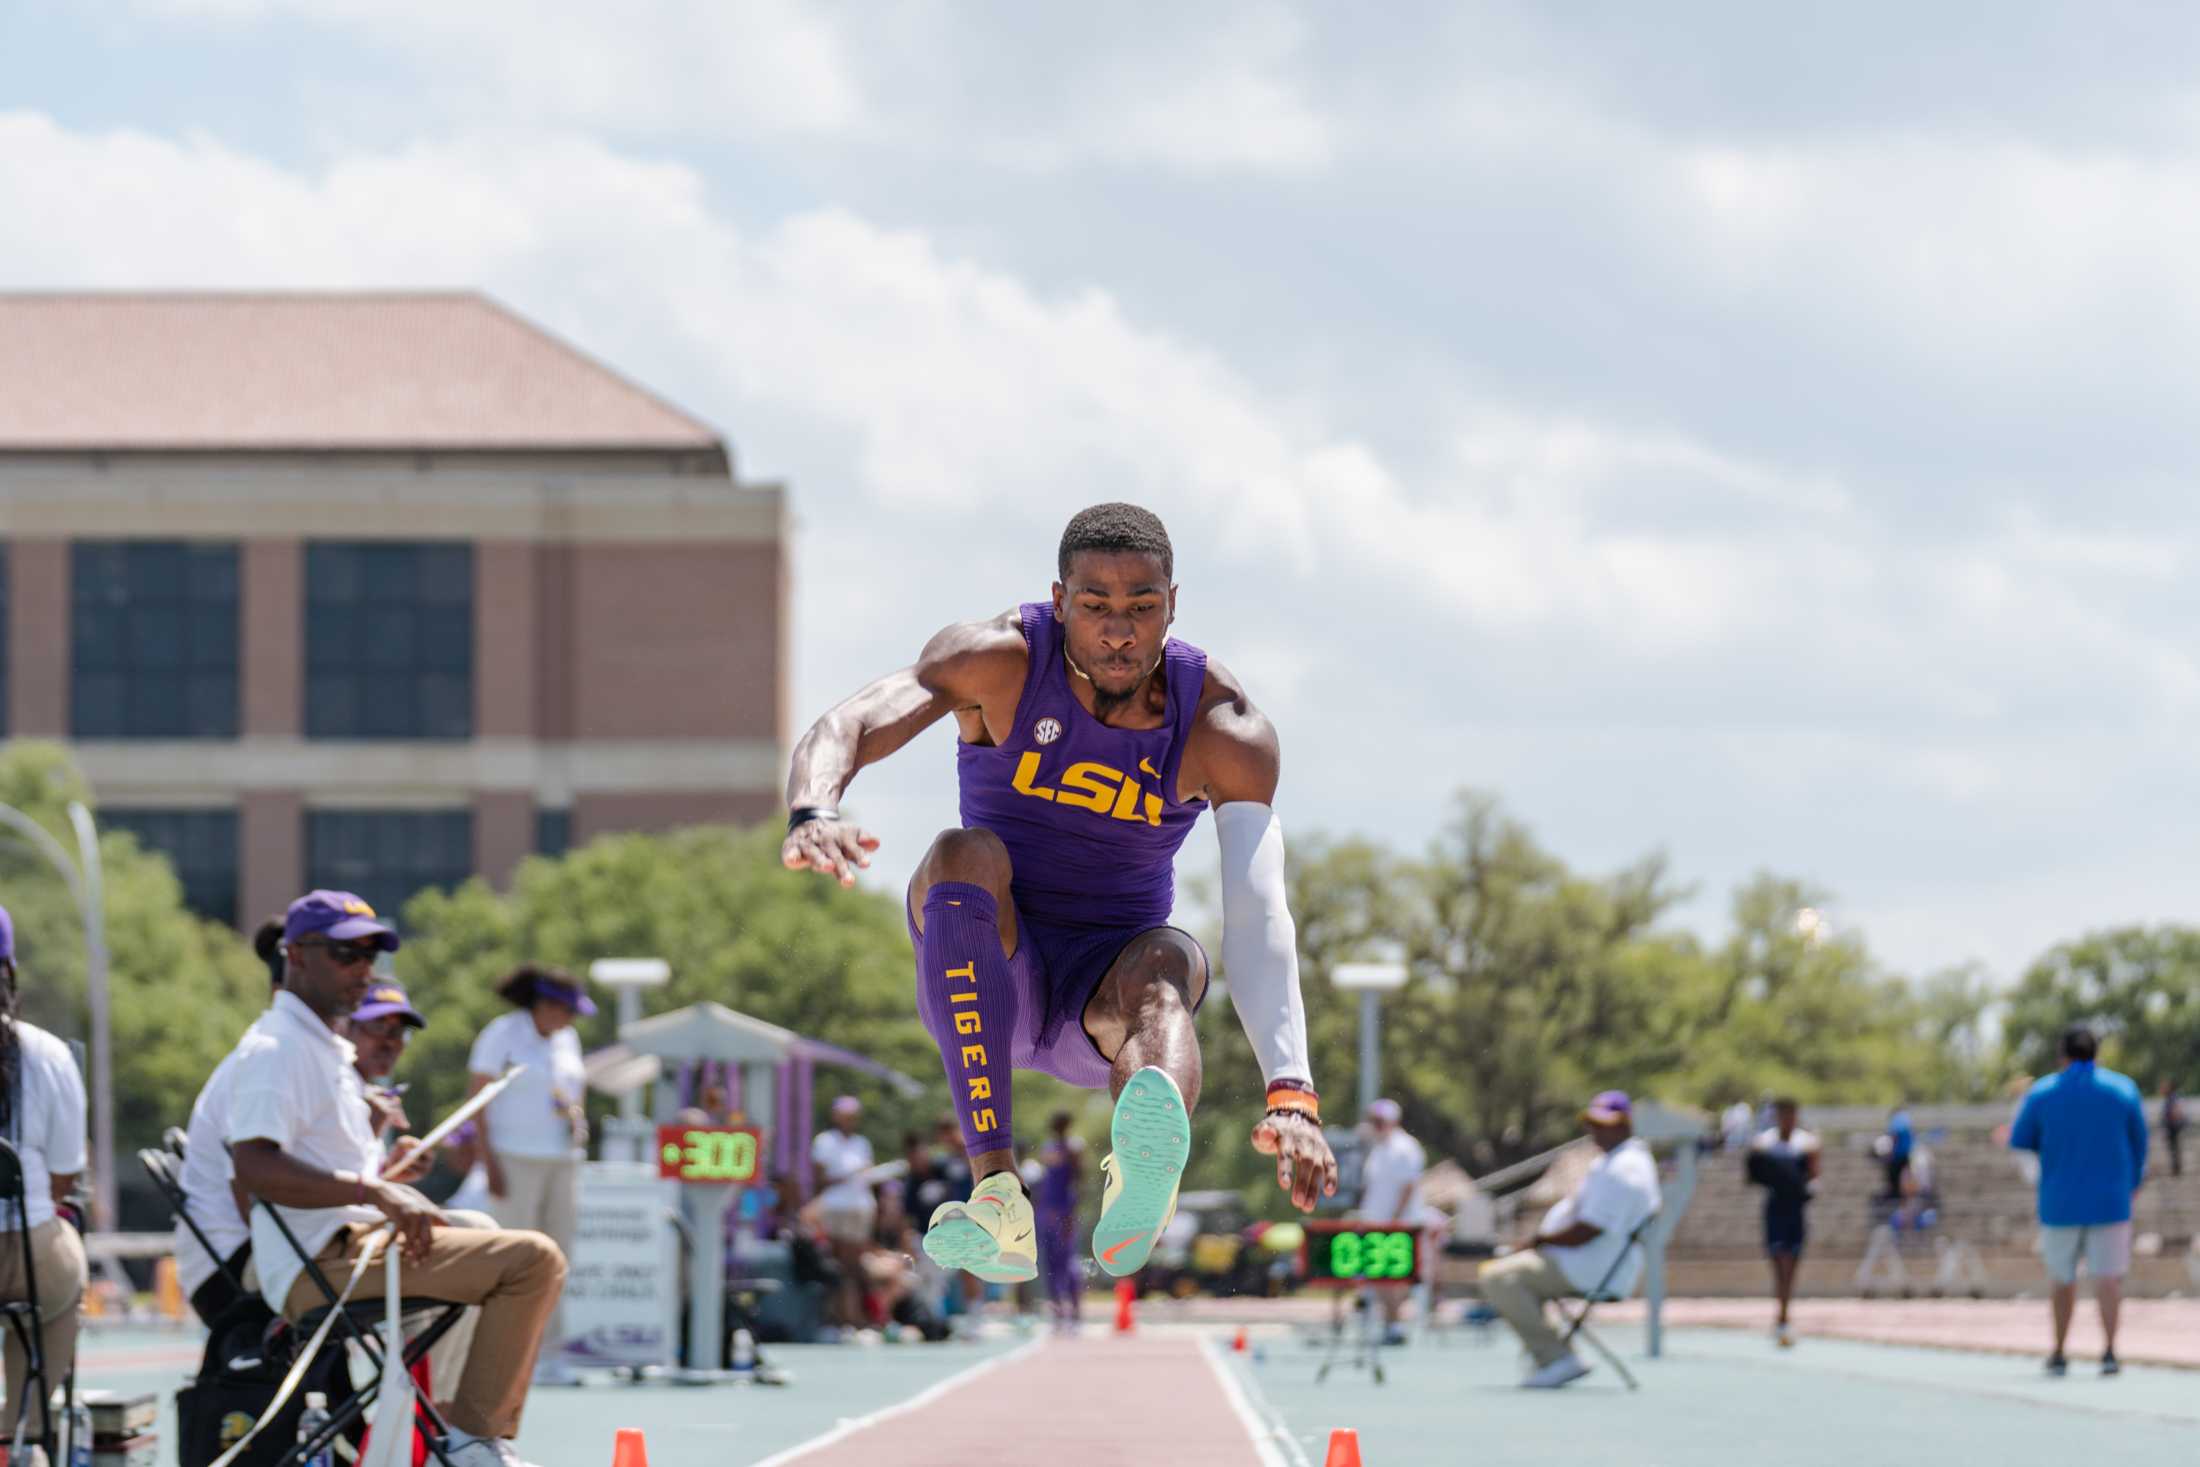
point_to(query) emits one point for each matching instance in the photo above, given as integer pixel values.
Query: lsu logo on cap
(357, 908)
(384, 995)
(1046, 730)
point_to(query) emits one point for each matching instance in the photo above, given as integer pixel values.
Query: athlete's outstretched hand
(832, 846)
(1304, 1166)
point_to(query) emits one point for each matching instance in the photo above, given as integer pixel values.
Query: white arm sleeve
(1260, 953)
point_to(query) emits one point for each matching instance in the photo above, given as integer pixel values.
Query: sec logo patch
(1046, 730)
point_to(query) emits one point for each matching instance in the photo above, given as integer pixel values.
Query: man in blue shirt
(2090, 1130)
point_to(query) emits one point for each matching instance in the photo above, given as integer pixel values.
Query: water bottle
(744, 1350)
(315, 1417)
(80, 1436)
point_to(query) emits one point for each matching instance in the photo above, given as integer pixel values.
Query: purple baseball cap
(568, 994)
(385, 998)
(7, 935)
(337, 915)
(1386, 1111)
(1609, 1108)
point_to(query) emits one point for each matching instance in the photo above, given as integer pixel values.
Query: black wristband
(804, 814)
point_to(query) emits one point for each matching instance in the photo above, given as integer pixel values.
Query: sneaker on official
(1784, 1336)
(484, 1451)
(993, 1235)
(1563, 1370)
(1152, 1138)
(2109, 1364)
(2057, 1365)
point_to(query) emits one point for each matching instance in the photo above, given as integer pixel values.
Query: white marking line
(1270, 1440)
(849, 1426)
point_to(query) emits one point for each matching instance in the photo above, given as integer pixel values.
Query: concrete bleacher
(1985, 1201)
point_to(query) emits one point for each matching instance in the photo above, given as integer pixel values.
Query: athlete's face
(1115, 612)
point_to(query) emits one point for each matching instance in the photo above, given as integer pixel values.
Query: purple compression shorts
(1056, 967)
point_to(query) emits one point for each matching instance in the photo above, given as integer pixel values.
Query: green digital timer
(708, 1153)
(1361, 1253)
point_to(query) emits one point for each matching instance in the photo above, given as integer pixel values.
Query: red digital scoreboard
(729, 1154)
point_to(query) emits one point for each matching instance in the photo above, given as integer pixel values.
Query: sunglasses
(344, 954)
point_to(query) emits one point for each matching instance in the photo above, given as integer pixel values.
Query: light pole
(1371, 980)
(628, 977)
(86, 885)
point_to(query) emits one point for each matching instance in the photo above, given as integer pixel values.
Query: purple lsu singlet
(1088, 812)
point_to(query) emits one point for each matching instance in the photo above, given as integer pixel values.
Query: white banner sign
(622, 1274)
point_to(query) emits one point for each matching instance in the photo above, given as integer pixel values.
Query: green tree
(181, 989)
(714, 903)
(2139, 987)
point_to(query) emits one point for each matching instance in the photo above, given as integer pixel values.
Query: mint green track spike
(1152, 1136)
(961, 1243)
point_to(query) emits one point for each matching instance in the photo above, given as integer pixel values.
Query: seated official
(210, 1195)
(1579, 1242)
(304, 1141)
(42, 1112)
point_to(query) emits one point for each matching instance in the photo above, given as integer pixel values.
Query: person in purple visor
(1088, 742)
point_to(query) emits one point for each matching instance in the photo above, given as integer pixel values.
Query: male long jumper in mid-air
(1089, 742)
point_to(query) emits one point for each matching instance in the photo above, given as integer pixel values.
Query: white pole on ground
(628, 977)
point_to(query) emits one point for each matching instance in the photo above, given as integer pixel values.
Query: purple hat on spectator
(338, 916)
(1609, 1109)
(385, 998)
(1386, 1111)
(530, 982)
(7, 935)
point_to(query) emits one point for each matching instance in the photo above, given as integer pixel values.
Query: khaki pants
(514, 1276)
(542, 1194)
(1517, 1286)
(57, 1263)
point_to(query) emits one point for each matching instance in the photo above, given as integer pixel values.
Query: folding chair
(358, 1322)
(23, 1320)
(160, 1166)
(1578, 1324)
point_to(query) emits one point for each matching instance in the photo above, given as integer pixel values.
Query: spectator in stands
(1061, 1161)
(536, 1132)
(42, 1112)
(2173, 1126)
(1894, 1150)
(210, 1194)
(303, 1141)
(1784, 1160)
(2089, 1127)
(1735, 1125)
(845, 1207)
(1390, 1180)
(1585, 1241)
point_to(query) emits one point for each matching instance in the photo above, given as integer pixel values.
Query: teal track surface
(1723, 1398)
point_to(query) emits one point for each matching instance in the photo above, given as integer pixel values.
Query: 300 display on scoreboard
(1361, 1253)
(708, 1153)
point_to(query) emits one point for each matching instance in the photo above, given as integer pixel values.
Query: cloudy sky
(1760, 437)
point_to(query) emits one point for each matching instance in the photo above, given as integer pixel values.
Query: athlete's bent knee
(975, 856)
(1168, 959)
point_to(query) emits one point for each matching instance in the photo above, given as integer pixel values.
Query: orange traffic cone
(631, 1451)
(1344, 1448)
(1237, 1341)
(1126, 1295)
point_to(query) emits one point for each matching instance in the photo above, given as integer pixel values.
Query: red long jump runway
(1144, 1401)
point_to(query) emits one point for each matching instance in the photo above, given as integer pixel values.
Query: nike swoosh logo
(1107, 1255)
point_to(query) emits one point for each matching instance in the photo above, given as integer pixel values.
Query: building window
(153, 651)
(385, 856)
(200, 844)
(553, 831)
(389, 640)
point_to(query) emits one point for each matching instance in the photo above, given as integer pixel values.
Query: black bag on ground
(242, 1369)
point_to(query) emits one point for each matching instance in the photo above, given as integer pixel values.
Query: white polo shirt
(1388, 1176)
(295, 1085)
(1620, 1191)
(48, 1126)
(206, 1175)
(840, 1159)
(528, 1118)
